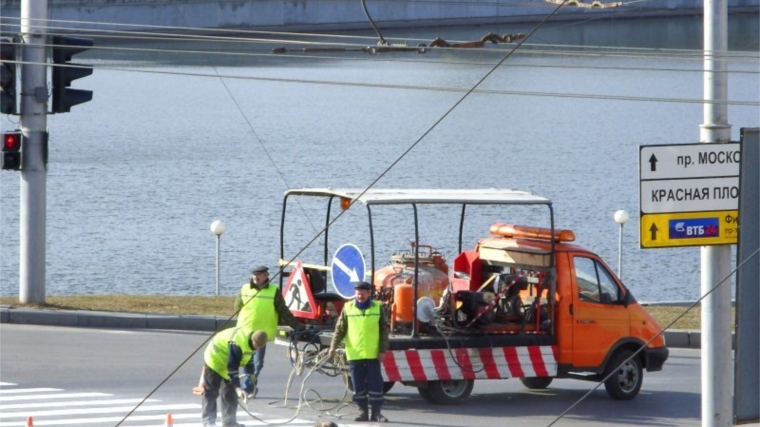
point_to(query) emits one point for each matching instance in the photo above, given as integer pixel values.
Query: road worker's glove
(241, 395)
(247, 383)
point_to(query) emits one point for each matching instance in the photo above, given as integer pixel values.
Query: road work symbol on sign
(348, 267)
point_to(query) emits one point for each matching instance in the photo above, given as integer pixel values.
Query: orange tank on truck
(526, 302)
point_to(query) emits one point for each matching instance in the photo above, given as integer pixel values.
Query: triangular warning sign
(297, 293)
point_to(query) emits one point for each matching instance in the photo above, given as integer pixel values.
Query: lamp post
(217, 227)
(621, 217)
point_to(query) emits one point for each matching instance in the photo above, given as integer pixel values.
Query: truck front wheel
(536, 383)
(449, 392)
(625, 382)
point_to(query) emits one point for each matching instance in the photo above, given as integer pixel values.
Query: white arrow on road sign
(353, 277)
(348, 267)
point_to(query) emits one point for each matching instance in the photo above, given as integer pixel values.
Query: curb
(100, 319)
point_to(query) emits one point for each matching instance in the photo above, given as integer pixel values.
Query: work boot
(377, 416)
(363, 416)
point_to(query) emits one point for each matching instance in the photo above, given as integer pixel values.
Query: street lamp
(217, 227)
(621, 217)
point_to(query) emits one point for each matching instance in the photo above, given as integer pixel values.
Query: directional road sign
(689, 194)
(348, 267)
(689, 229)
(689, 160)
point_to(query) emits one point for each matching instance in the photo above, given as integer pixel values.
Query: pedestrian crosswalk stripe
(4, 399)
(2, 384)
(106, 410)
(56, 407)
(28, 390)
(74, 403)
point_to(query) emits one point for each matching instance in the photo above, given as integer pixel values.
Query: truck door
(599, 315)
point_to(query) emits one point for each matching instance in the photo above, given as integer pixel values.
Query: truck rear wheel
(449, 392)
(536, 383)
(626, 381)
(425, 393)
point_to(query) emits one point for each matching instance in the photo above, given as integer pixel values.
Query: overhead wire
(662, 331)
(442, 89)
(134, 34)
(474, 89)
(372, 184)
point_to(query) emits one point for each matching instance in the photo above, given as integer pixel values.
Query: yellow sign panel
(689, 229)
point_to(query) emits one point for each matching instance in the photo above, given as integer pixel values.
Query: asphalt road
(55, 373)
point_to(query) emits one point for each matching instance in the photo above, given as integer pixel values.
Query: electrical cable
(744, 103)
(468, 92)
(646, 344)
(372, 22)
(183, 37)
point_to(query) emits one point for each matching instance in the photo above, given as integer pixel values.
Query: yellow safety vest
(363, 336)
(259, 313)
(218, 350)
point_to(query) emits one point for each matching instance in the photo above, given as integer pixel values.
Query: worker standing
(260, 306)
(364, 326)
(228, 350)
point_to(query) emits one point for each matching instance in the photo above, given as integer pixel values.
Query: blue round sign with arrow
(348, 267)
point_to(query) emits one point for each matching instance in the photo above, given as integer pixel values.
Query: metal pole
(717, 375)
(620, 253)
(32, 203)
(218, 243)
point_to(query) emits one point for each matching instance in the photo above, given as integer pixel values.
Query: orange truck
(524, 302)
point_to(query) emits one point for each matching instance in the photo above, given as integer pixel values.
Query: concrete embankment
(298, 15)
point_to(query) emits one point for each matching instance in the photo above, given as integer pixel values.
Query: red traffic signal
(11, 155)
(12, 142)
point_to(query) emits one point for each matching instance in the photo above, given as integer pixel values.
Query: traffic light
(8, 76)
(64, 72)
(11, 159)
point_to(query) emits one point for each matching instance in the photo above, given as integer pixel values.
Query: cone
(169, 422)
(29, 422)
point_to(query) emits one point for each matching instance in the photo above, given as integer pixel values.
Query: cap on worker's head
(363, 285)
(260, 269)
(259, 338)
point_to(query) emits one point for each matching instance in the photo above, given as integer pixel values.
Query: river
(175, 140)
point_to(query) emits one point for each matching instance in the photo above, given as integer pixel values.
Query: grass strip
(224, 306)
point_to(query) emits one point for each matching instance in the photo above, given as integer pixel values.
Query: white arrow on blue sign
(347, 268)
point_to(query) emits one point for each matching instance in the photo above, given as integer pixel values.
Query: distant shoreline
(339, 15)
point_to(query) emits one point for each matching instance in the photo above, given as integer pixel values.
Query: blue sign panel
(693, 228)
(347, 268)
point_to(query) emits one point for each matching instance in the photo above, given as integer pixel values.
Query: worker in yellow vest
(365, 328)
(228, 351)
(260, 306)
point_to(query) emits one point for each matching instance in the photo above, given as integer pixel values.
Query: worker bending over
(229, 350)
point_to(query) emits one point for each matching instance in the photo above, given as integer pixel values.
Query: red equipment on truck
(524, 303)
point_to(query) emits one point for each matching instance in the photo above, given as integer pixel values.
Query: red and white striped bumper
(470, 363)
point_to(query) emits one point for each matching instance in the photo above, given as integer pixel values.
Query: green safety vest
(363, 336)
(218, 350)
(259, 313)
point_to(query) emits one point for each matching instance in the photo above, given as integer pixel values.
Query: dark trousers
(367, 379)
(258, 361)
(215, 386)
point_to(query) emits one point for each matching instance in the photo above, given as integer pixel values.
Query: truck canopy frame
(395, 196)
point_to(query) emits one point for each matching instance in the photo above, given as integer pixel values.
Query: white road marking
(109, 409)
(28, 390)
(75, 403)
(50, 396)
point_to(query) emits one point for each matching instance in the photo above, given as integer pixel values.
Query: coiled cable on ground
(316, 361)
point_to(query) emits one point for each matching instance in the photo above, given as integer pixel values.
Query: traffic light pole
(32, 205)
